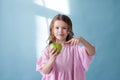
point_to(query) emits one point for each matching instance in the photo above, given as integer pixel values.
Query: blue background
(98, 21)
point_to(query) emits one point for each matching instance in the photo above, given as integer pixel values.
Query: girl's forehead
(60, 22)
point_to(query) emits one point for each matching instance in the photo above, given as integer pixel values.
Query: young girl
(73, 60)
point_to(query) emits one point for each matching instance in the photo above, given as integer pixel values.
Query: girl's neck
(60, 41)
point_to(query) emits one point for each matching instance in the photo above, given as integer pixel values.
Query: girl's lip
(61, 34)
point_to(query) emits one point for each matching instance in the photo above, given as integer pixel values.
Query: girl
(73, 60)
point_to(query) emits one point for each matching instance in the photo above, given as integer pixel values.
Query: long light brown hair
(67, 20)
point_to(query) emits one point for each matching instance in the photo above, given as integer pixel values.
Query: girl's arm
(48, 66)
(90, 48)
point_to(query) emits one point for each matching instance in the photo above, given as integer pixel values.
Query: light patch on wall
(42, 33)
(57, 5)
(39, 2)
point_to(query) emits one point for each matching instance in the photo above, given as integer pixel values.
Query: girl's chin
(61, 39)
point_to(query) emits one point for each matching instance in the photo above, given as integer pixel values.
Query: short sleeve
(85, 58)
(42, 60)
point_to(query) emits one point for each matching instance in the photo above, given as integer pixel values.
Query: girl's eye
(57, 27)
(64, 28)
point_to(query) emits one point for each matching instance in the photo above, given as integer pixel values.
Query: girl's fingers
(73, 41)
(68, 41)
(52, 51)
(76, 42)
(56, 53)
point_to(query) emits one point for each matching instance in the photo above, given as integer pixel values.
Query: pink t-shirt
(70, 64)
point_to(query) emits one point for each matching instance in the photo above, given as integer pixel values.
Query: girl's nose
(60, 30)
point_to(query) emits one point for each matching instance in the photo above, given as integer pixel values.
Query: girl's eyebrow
(65, 26)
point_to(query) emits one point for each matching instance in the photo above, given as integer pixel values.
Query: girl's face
(60, 30)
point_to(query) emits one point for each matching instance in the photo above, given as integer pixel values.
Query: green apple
(57, 46)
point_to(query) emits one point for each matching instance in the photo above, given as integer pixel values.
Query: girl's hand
(53, 54)
(74, 41)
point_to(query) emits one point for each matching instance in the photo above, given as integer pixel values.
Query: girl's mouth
(61, 34)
